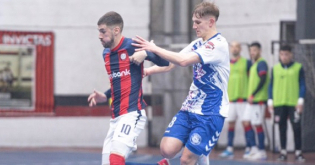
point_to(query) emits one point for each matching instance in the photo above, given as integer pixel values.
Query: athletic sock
(283, 152)
(230, 136)
(203, 160)
(229, 148)
(261, 137)
(250, 136)
(298, 152)
(115, 159)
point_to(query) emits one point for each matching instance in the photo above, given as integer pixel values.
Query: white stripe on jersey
(208, 91)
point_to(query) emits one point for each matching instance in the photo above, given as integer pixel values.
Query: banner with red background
(21, 89)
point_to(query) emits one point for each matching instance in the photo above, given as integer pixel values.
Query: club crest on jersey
(195, 139)
(123, 56)
(209, 45)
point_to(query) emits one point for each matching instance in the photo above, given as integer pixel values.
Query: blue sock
(250, 136)
(247, 142)
(261, 137)
(230, 137)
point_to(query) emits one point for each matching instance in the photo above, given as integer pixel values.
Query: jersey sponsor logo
(119, 74)
(195, 139)
(209, 45)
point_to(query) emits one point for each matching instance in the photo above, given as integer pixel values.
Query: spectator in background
(237, 90)
(257, 98)
(286, 98)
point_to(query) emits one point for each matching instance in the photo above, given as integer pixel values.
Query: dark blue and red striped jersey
(125, 78)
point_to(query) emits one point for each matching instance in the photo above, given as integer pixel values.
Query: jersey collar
(120, 42)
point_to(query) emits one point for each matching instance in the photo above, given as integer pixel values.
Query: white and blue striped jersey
(208, 92)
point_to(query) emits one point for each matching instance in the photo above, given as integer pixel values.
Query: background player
(257, 97)
(128, 115)
(237, 90)
(286, 99)
(199, 122)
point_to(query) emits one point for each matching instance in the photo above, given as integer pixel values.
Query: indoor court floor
(92, 156)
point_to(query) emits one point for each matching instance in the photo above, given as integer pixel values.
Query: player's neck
(116, 41)
(255, 60)
(236, 57)
(210, 34)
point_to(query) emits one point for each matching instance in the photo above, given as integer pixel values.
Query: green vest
(238, 81)
(285, 91)
(262, 94)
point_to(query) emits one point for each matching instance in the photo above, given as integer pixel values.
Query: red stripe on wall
(82, 111)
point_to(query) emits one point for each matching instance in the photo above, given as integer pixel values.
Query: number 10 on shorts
(125, 129)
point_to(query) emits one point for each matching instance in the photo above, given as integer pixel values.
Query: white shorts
(236, 110)
(255, 113)
(122, 134)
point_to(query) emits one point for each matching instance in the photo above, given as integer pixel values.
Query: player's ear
(117, 30)
(212, 21)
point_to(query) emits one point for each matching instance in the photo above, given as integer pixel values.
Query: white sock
(229, 148)
(203, 160)
(298, 152)
(284, 152)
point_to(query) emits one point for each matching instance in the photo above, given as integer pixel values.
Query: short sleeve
(213, 52)
(262, 68)
(189, 47)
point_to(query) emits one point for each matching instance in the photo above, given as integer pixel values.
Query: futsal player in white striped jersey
(198, 124)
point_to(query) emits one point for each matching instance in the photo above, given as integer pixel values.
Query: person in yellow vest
(286, 98)
(257, 98)
(237, 90)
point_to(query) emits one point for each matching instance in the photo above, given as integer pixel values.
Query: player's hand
(146, 72)
(143, 44)
(138, 57)
(270, 109)
(299, 108)
(96, 97)
(250, 99)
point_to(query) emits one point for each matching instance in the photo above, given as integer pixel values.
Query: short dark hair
(111, 18)
(286, 48)
(206, 8)
(257, 44)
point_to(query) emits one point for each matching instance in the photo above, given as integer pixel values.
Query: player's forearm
(157, 69)
(157, 60)
(262, 81)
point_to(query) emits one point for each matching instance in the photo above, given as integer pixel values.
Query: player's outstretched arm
(157, 69)
(96, 97)
(139, 56)
(180, 59)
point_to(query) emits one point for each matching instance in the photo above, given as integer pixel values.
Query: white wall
(248, 21)
(79, 64)
(57, 132)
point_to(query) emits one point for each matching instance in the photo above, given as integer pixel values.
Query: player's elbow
(183, 63)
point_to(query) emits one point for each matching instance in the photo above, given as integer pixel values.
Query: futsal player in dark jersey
(127, 111)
